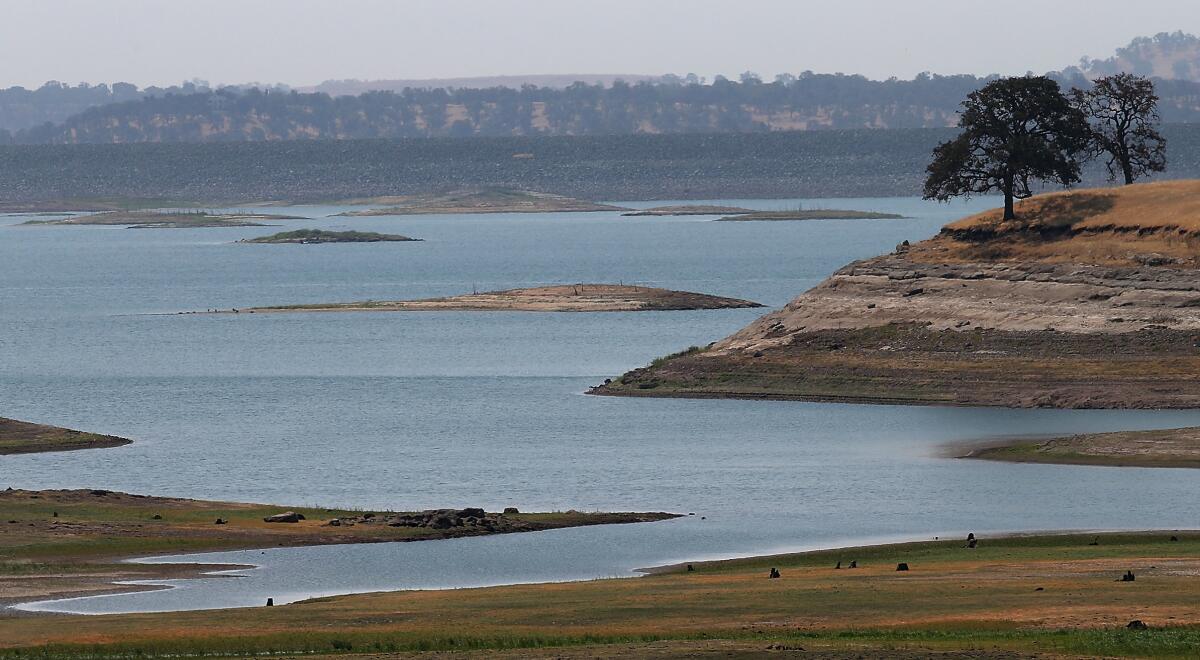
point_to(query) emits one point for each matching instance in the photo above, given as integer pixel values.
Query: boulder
(510, 510)
(285, 517)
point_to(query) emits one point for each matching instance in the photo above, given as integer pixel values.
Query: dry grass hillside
(1147, 224)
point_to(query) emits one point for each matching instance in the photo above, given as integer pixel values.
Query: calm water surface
(440, 409)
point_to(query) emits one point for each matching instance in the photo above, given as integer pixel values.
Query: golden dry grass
(1166, 204)
(1123, 226)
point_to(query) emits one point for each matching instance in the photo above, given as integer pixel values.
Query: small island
(18, 437)
(809, 214)
(475, 201)
(1157, 448)
(688, 209)
(564, 298)
(314, 236)
(168, 219)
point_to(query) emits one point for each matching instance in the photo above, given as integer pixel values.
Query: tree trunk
(1127, 170)
(1009, 213)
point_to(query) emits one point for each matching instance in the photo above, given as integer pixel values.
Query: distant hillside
(352, 87)
(808, 102)
(584, 104)
(56, 102)
(1167, 55)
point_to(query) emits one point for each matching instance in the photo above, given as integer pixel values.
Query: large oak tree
(1014, 131)
(1123, 109)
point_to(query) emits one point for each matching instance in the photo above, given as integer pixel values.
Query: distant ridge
(354, 87)
(1166, 55)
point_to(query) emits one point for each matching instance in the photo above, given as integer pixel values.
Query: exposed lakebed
(453, 409)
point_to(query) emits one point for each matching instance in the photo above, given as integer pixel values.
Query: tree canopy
(1015, 131)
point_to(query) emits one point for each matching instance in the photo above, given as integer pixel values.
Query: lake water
(452, 409)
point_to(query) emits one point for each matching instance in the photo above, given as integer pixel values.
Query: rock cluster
(435, 519)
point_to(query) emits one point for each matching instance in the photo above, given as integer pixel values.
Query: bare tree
(1123, 110)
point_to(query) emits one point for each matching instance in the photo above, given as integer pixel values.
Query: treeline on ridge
(805, 102)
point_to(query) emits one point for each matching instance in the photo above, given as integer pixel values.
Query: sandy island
(1090, 299)
(563, 298)
(475, 201)
(18, 437)
(1157, 448)
(55, 543)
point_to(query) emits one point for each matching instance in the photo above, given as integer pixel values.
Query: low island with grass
(17, 437)
(1155, 448)
(168, 219)
(809, 214)
(55, 543)
(316, 236)
(561, 298)
(474, 201)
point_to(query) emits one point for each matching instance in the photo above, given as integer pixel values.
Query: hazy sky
(302, 42)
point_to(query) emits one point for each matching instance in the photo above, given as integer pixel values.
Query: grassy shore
(60, 542)
(17, 437)
(1009, 597)
(1158, 448)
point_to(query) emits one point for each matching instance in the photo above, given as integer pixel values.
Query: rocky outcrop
(285, 517)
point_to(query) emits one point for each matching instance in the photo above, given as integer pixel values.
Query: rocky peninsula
(315, 236)
(562, 298)
(475, 201)
(1090, 299)
(17, 437)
